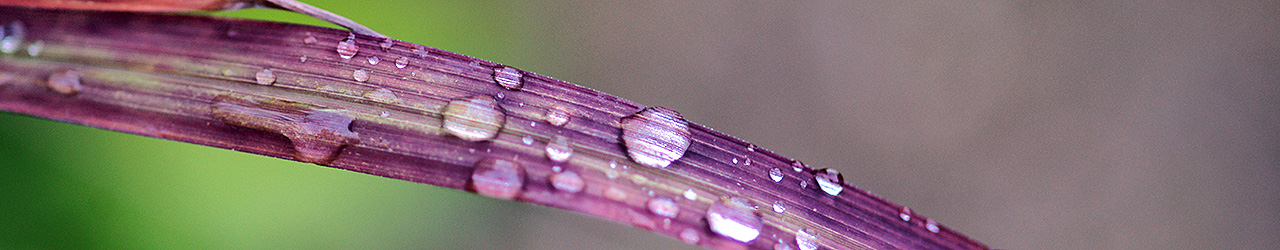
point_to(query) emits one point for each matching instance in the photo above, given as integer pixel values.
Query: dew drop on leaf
(347, 48)
(567, 181)
(829, 180)
(497, 178)
(474, 118)
(402, 62)
(509, 78)
(558, 149)
(775, 174)
(360, 75)
(655, 137)
(734, 218)
(265, 77)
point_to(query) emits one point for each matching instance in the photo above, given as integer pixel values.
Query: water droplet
(655, 137)
(781, 245)
(374, 60)
(66, 82)
(34, 49)
(381, 95)
(613, 164)
(931, 225)
(347, 48)
(475, 118)
(302, 58)
(747, 162)
(778, 207)
(497, 178)
(806, 240)
(386, 44)
(797, 166)
(317, 133)
(804, 184)
(611, 174)
(905, 214)
(615, 193)
(567, 181)
(663, 206)
(734, 218)
(265, 77)
(385, 114)
(775, 174)
(228, 72)
(558, 149)
(309, 40)
(751, 148)
(509, 78)
(735, 161)
(688, 235)
(360, 75)
(829, 180)
(528, 140)
(689, 194)
(402, 62)
(13, 39)
(557, 116)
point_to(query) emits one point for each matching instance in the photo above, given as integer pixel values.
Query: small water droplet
(689, 194)
(781, 245)
(778, 207)
(402, 62)
(385, 114)
(751, 147)
(611, 174)
(497, 178)
(528, 140)
(557, 116)
(613, 164)
(66, 82)
(734, 218)
(829, 180)
(360, 75)
(905, 214)
(688, 235)
(381, 95)
(475, 118)
(309, 40)
(386, 44)
(931, 225)
(804, 184)
(509, 78)
(302, 58)
(775, 174)
(655, 137)
(615, 193)
(317, 133)
(735, 161)
(806, 240)
(34, 49)
(558, 149)
(13, 39)
(663, 206)
(374, 60)
(797, 166)
(265, 77)
(567, 181)
(347, 48)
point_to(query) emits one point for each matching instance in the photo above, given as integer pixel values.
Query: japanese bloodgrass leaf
(196, 5)
(425, 115)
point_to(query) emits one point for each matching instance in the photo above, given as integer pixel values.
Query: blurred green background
(1026, 125)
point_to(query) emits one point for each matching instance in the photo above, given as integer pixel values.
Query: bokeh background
(1023, 124)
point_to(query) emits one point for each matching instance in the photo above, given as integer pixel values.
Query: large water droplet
(265, 77)
(558, 149)
(347, 48)
(735, 219)
(688, 235)
(509, 78)
(778, 207)
(360, 75)
(13, 38)
(663, 206)
(475, 118)
(656, 136)
(775, 174)
(931, 225)
(381, 95)
(567, 181)
(317, 133)
(829, 180)
(689, 194)
(496, 178)
(806, 240)
(402, 62)
(905, 214)
(374, 60)
(557, 116)
(66, 82)
(34, 49)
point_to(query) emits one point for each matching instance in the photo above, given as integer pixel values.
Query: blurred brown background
(1025, 125)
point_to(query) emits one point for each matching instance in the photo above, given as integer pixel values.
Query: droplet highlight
(567, 181)
(905, 214)
(734, 218)
(557, 116)
(402, 62)
(829, 180)
(663, 206)
(689, 194)
(558, 149)
(302, 58)
(509, 78)
(775, 174)
(655, 137)
(317, 133)
(931, 225)
(265, 77)
(347, 48)
(475, 118)
(497, 178)
(66, 82)
(806, 240)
